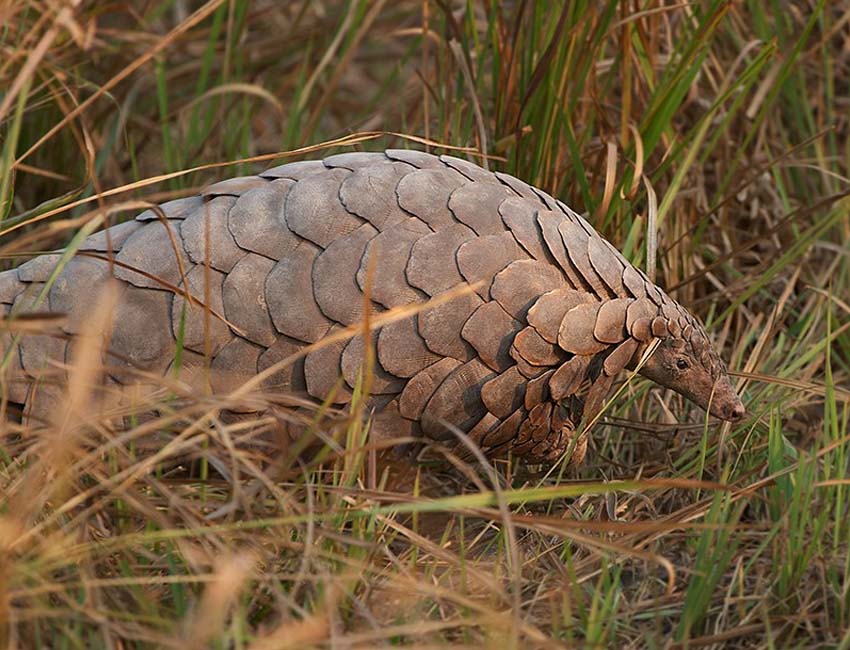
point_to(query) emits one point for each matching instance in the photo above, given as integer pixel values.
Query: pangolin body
(283, 259)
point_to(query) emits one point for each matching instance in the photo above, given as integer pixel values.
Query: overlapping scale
(257, 220)
(402, 350)
(472, 171)
(335, 284)
(425, 194)
(610, 324)
(323, 371)
(518, 286)
(201, 319)
(576, 332)
(353, 364)
(504, 393)
(457, 401)
(441, 325)
(576, 242)
(153, 257)
(547, 312)
(477, 206)
(75, 290)
(432, 266)
(289, 296)
(549, 223)
(176, 209)
(481, 258)
(233, 186)
(388, 254)
(536, 350)
(422, 387)
(369, 193)
(244, 299)
(208, 224)
(491, 330)
(520, 216)
(313, 210)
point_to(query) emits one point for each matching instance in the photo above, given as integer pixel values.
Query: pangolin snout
(726, 404)
(734, 412)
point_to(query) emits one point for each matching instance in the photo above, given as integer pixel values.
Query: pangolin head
(689, 365)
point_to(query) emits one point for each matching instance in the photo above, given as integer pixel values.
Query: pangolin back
(516, 364)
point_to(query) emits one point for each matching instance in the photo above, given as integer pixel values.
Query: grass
(709, 141)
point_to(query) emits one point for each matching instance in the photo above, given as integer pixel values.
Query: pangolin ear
(675, 343)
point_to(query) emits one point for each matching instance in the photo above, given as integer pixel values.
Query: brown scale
(387, 254)
(565, 381)
(289, 296)
(537, 390)
(549, 223)
(288, 377)
(38, 352)
(528, 370)
(417, 159)
(335, 286)
(472, 171)
(364, 193)
(504, 393)
(441, 326)
(244, 299)
(490, 330)
(536, 350)
(132, 337)
(157, 253)
(402, 350)
(110, 239)
(323, 369)
(257, 220)
(576, 242)
(620, 357)
(233, 186)
(606, 265)
(480, 259)
(295, 171)
(353, 359)
(312, 209)
(38, 269)
(202, 326)
(422, 386)
(233, 365)
(520, 216)
(610, 324)
(177, 209)
(457, 401)
(71, 293)
(424, 193)
(550, 308)
(211, 221)
(356, 160)
(477, 206)
(575, 334)
(506, 431)
(517, 286)
(432, 266)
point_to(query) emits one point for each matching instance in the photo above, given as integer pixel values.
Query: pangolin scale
(284, 257)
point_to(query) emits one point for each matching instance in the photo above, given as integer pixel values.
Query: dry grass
(709, 141)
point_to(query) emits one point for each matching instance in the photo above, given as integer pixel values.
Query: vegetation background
(708, 140)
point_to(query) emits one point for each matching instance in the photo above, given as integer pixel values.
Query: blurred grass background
(708, 140)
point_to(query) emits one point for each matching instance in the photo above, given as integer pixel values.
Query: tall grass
(708, 141)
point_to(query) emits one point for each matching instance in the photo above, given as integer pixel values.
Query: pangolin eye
(682, 364)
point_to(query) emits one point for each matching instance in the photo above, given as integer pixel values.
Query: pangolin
(551, 314)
